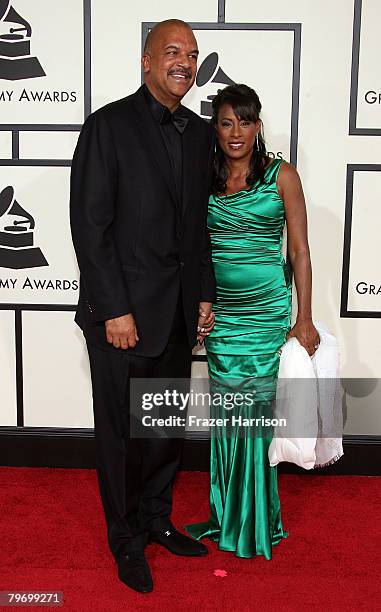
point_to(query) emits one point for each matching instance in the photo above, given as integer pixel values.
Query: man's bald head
(154, 34)
(170, 61)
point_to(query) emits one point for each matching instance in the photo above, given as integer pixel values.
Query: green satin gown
(253, 315)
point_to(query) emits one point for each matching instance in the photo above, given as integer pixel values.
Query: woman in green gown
(253, 196)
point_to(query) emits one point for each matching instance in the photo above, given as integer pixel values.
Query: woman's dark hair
(247, 106)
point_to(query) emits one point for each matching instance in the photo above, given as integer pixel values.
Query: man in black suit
(139, 192)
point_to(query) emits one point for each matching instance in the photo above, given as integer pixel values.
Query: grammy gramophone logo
(16, 61)
(17, 250)
(209, 71)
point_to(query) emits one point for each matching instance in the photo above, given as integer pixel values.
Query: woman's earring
(257, 142)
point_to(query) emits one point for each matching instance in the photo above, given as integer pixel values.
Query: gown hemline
(211, 538)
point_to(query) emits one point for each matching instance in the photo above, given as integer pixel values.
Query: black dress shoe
(178, 543)
(134, 571)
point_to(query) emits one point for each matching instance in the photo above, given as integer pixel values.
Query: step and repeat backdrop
(315, 66)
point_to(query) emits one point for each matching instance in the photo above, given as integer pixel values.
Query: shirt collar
(158, 110)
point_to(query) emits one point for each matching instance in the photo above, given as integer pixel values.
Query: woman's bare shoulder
(287, 169)
(288, 175)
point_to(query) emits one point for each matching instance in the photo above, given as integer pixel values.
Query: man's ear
(146, 62)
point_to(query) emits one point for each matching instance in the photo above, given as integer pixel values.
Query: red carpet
(53, 538)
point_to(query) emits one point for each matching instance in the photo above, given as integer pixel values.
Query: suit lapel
(152, 139)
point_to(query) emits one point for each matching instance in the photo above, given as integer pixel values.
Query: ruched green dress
(253, 315)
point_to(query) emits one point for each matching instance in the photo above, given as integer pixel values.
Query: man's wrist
(119, 317)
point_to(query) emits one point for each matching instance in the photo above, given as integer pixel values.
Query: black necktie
(179, 121)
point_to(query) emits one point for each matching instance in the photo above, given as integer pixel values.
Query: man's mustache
(187, 73)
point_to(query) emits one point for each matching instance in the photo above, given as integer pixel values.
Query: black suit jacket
(133, 255)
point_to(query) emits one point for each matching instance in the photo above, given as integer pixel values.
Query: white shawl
(312, 408)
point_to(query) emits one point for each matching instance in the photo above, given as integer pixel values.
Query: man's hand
(205, 320)
(121, 332)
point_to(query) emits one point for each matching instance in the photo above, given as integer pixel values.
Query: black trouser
(135, 475)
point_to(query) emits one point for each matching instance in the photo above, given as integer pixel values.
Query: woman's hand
(307, 334)
(205, 321)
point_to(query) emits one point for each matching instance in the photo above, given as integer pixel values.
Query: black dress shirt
(172, 139)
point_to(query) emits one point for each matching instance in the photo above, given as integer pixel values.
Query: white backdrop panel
(57, 43)
(57, 390)
(363, 408)
(369, 85)
(5, 145)
(43, 192)
(364, 289)
(8, 409)
(199, 384)
(47, 145)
